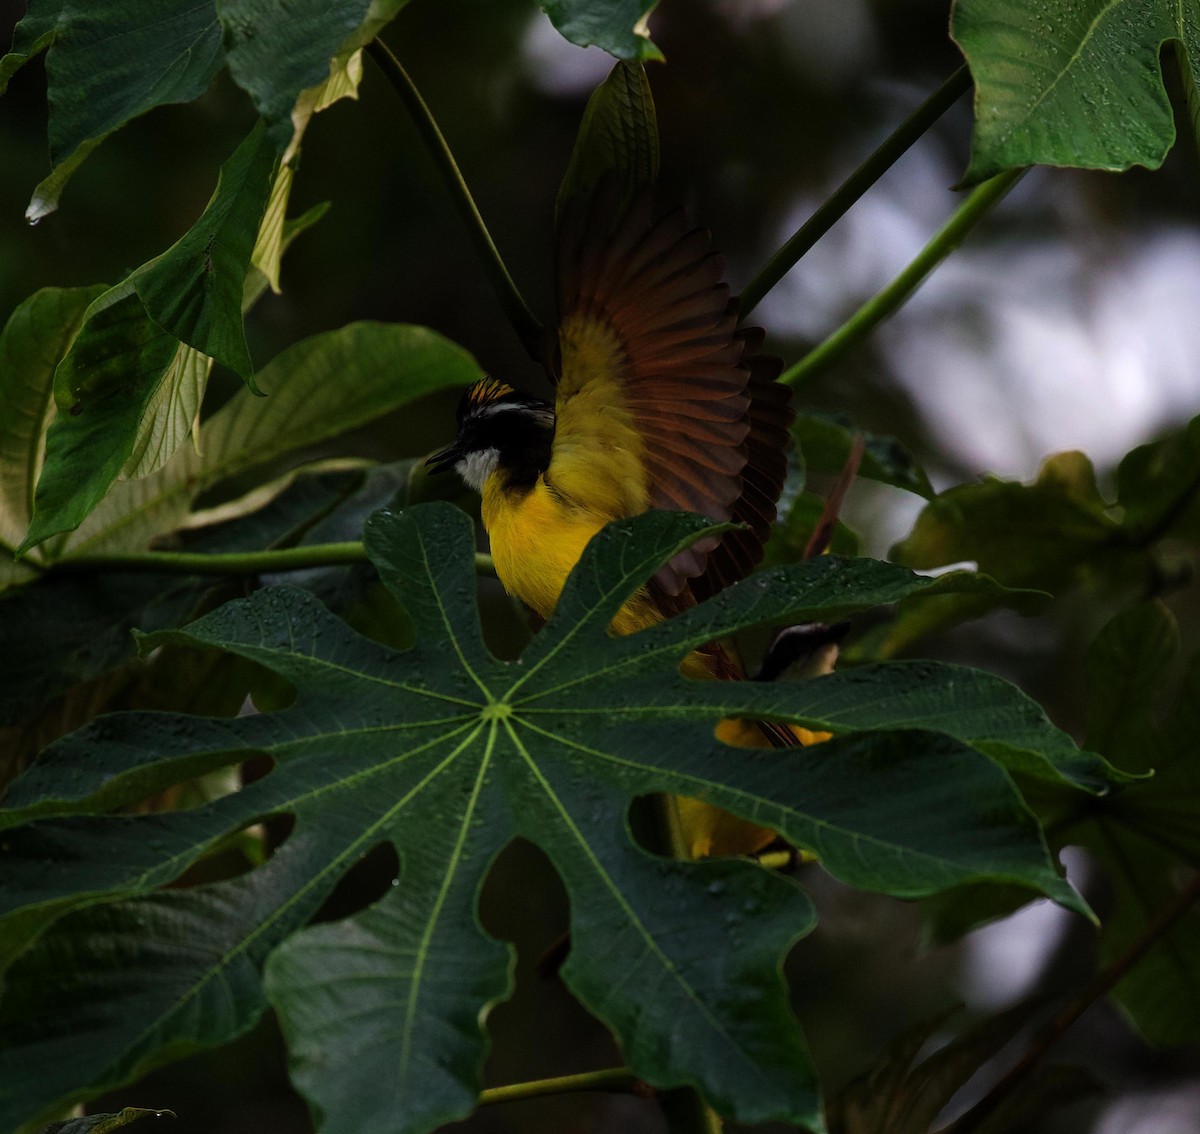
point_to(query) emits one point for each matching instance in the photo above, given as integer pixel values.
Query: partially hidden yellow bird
(662, 401)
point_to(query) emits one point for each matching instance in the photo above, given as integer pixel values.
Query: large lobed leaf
(448, 754)
(1052, 534)
(1073, 82)
(108, 61)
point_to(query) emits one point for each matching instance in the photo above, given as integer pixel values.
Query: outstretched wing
(660, 401)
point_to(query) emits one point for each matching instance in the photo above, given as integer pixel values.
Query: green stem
(893, 148)
(610, 1079)
(524, 322)
(878, 308)
(229, 563)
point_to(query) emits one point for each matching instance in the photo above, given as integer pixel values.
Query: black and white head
(499, 430)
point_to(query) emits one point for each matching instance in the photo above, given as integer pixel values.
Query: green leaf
(131, 390)
(617, 26)
(1128, 667)
(1147, 835)
(618, 137)
(1158, 486)
(320, 387)
(448, 754)
(36, 336)
(825, 441)
(102, 389)
(88, 619)
(48, 191)
(974, 706)
(1050, 535)
(275, 52)
(171, 413)
(105, 1123)
(1072, 84)
(276, 232)
(64, 630)
(194, 289)
(108, 61)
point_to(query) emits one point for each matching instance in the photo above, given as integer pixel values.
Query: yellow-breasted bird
(661, 402)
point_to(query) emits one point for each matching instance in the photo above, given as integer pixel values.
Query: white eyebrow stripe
(496, 407)
(518, 407)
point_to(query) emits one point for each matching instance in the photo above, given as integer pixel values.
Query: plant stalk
(880, 306)
(610, 1079)
(523, 321)
(229, 563)
(1048, 1034)
(844, 197)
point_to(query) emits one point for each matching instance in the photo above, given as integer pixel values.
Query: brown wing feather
(644, 314)
(770, 417)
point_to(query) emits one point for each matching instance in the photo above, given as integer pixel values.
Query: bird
(661, 401)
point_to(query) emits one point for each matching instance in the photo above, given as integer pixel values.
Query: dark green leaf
(105, 1123)
(1158, 486)
(1147, 834)
(276, 51)
(618, 26)
(194, 289)
(1074, 84)
(825, 441)
(1050, 535)
(66, 629)
(320, 387)
(297, 58)
(36, 336)
(618, 137)
(108, 61)
(969, 704)
(448, 754)
(130, 389)
(102, 389)
(1161, 993)
(1128, 669)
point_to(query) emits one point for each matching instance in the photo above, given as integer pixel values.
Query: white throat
(477, 466)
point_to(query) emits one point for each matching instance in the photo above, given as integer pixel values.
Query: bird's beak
(444, 459)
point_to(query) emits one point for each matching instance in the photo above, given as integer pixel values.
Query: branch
(893, 148)
(610, 1079)
(1103, 982)
(878, 308)
(523, 321)
(229, 563)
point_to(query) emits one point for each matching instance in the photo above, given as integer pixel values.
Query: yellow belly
(536, 540)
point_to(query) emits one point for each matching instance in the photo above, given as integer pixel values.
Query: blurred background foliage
(1068, 321)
